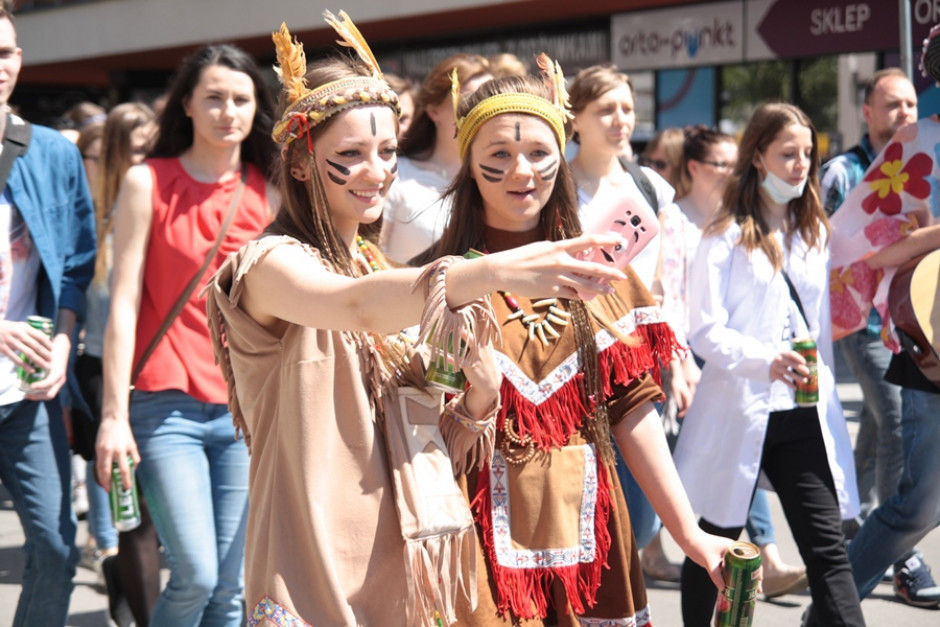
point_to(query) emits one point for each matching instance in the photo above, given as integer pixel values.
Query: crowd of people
(248, 300)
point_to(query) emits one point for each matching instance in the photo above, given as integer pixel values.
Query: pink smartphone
(634, 221)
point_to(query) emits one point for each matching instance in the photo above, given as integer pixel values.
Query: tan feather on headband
(555, 79)
(291, 63)
(352, 38)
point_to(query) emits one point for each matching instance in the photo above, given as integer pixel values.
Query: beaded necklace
(537, 327)
(366, 253)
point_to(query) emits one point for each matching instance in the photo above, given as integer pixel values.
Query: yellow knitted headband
(554, 112)
(311, 107)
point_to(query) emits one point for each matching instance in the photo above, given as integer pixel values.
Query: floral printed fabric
(894, 198)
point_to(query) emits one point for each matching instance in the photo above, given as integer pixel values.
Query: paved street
(89, 603)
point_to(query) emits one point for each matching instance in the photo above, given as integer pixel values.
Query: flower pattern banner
(895, 197)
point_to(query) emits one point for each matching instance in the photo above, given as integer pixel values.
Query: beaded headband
(309, 108)
(554, 111)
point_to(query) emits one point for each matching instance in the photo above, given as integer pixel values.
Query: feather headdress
(291, 63)
(554, 111)
(310, 107)
(352, 38)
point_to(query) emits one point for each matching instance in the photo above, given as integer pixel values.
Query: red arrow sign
(802, 28)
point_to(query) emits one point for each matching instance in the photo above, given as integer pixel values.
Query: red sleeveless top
(187, 215)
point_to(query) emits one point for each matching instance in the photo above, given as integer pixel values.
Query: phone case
(634, 221)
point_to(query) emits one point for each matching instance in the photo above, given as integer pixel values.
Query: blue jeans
(35, 467)
(895, 526)
(194, 474)
(760, 526)
(100, 526)
(879, 437)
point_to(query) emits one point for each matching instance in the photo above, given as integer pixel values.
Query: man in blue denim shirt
(890, 103)
(47, 253)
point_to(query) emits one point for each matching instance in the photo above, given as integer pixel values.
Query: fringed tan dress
(324, 544)
(555, 529)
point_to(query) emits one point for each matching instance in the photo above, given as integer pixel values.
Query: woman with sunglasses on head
(759, 281)
(308, 383)
(558, 544)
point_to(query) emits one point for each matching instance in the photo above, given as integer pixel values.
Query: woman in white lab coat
(744, 423)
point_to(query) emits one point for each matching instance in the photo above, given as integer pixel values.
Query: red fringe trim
(526, 591)
(552, 423)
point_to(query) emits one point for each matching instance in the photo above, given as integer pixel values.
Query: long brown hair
(305, 211)
(418, 142)
(558, 220)
(559, 216)
(742, 201)
(113, 163)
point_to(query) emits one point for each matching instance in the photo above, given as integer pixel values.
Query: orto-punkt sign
(710, 34)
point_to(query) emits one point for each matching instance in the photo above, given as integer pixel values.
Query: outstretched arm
(289, 285)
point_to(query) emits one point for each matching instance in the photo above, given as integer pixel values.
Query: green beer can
(26, 379)
(737, 601)
(125, 505)
(807, 390)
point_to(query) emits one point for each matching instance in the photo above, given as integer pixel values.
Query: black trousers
(794, 459)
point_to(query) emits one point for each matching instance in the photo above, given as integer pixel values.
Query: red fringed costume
(555, 530)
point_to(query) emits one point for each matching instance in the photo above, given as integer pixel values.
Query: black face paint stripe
(518, 133)
(487, 168)
(491, 179)
(339, 168)
(548, 172)
(394, 169)
(336, 179)
(372, 121)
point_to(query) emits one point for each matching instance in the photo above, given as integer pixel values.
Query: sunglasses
(657, 164)
(720, 165)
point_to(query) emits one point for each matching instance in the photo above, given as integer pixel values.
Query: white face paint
(356, 157)
(514, 161)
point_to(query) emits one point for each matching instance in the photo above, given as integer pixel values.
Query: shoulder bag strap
(16, 139)
(188, 290)
(795, 296)
(642, 181)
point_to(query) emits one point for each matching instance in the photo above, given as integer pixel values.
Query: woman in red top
(176, 426)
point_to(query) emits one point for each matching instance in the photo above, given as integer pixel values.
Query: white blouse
(414, 216)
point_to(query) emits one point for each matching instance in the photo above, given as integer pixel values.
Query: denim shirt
(49, 188)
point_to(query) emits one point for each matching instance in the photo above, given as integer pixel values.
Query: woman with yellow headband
(558, 545)
(300, 317)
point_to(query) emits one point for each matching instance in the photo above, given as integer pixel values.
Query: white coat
(741, 316)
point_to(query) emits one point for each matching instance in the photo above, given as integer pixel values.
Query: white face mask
(779, 190)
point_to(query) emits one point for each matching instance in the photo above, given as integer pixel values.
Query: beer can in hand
(24, 378)
(442, 371)
(125, 505)
(737, 601)
(807, 390)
